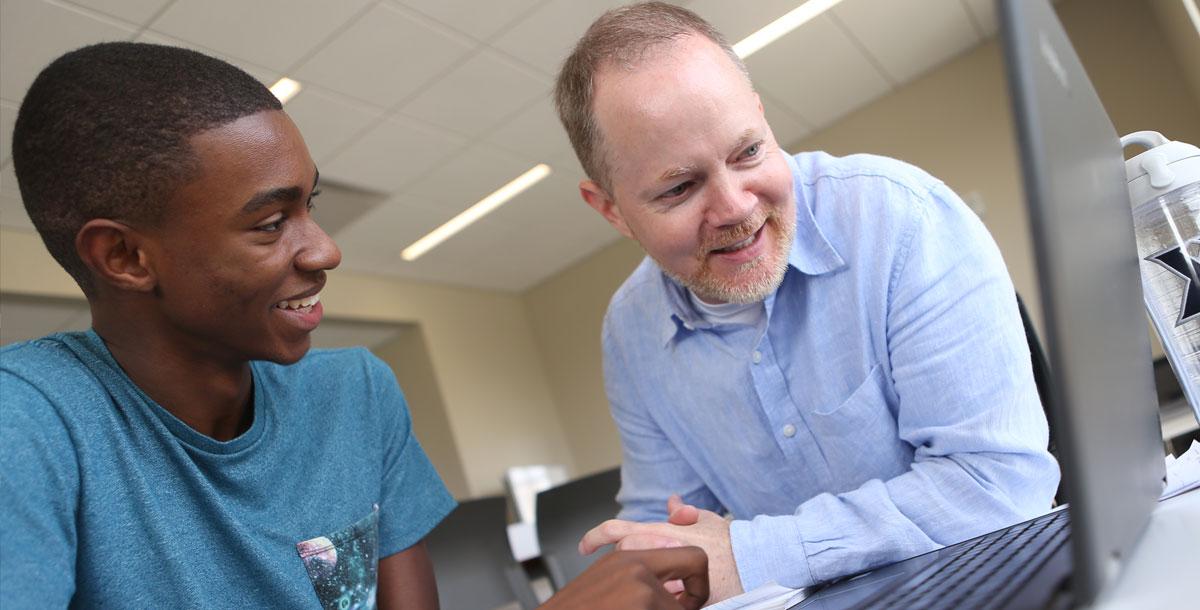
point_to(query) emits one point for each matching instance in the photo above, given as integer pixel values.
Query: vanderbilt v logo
(1178, 261)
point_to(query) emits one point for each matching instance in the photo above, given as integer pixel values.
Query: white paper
(770, 596)
(1183, 473)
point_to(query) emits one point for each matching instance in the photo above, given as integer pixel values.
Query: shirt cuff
(770, 549)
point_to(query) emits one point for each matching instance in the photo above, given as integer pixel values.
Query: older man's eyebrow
(284, 194)
(747, 135)
(677, 172)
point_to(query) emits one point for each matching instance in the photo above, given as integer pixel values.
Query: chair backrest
(1041, 378)
(565, 513)
(472, 560)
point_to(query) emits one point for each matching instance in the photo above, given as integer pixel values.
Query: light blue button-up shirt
(888, 409)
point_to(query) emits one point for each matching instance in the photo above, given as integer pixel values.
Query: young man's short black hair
(104, 132)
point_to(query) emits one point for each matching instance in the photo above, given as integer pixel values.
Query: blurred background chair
(565, 513)
(473, 562)
(1042, 379)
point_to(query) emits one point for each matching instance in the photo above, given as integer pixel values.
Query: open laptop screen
(1095, 326)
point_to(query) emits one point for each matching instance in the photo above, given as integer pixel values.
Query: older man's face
(697, 178)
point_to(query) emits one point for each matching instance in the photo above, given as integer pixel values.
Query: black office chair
(1042, 379)
(472, 560)
(565, 513)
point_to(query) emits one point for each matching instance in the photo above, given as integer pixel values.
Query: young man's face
(238, 259)
(696, 175)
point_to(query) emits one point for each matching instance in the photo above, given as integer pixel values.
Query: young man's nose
(318, 252)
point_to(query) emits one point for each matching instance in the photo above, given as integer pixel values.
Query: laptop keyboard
(987, 571)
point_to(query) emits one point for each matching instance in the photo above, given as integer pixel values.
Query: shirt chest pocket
(343, 565)
(863, 416)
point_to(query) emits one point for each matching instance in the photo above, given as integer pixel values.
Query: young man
(189, 451)
(828, 349)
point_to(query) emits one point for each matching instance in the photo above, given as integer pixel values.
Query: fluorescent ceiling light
(782, 26)
(475, 212)
(285, 89)
(1193, 13)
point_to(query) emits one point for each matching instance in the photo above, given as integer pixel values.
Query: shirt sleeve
(652, 467)
(39, 486)
(967, 404)
(413, 499)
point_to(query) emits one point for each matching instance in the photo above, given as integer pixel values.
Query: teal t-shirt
(109, 501)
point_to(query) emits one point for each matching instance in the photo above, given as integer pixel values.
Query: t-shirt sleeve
(413, 498)
(39, 488)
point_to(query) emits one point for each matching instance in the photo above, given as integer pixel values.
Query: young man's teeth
(304, 305)
(739, 245)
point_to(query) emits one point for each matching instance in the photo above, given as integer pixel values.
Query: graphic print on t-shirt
(342, 565)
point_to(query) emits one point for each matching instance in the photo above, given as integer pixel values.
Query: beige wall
(408, 356)
(955, 123)
(481, 350)
(1180, 34)
(567, 311)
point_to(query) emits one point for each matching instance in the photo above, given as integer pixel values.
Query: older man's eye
(752, 151)
(678, 190)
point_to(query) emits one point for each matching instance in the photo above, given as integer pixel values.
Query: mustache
(734, 234)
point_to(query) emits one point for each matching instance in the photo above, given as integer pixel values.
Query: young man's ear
(111, 250)
(601, 202)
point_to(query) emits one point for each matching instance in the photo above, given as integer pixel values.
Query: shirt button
(756, 357)
(789, 430)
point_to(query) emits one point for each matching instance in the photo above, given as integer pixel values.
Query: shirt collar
(811, 254)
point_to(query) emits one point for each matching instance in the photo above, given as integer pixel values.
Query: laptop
(1102, 394)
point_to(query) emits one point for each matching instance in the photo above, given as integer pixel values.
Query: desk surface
(1163, 570)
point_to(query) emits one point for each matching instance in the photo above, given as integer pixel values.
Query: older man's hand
(685, 526)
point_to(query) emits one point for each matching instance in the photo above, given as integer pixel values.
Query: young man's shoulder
(60, 360)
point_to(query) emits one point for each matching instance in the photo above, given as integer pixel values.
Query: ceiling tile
(265, 76)
(535, 134)
(737, 20)
(380, 234)
(817, 72)
(8, 117)
(546, 36)
(479, 20)
(393, 154)
(272, 33)
(339, 205)
(908, 38)
(785, 126)
(983, 15)
(476, 96)
(135, 11)
(27, 45)
(552, 201)
(460, 182)
(328, 121)
(375, 59)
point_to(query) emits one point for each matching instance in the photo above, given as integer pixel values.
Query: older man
(827, 348)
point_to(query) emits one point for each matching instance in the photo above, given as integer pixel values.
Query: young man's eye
(272, 226)
(310, 204)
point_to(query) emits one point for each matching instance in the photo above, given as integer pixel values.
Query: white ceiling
(420, 108)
